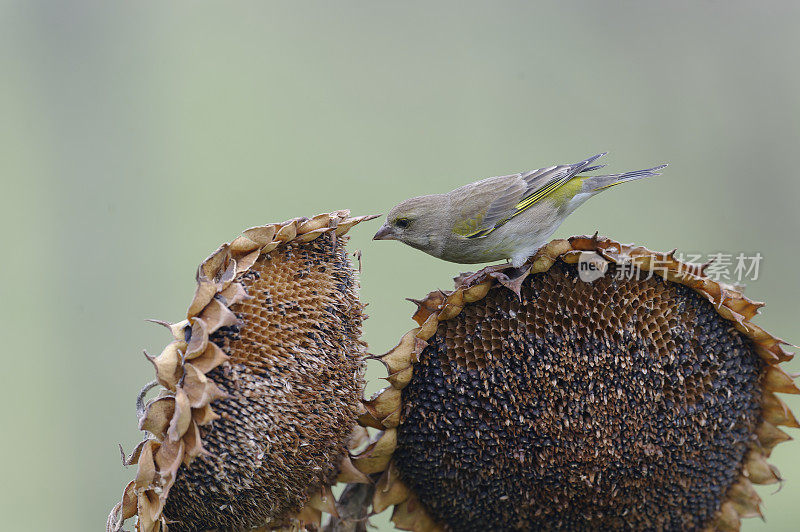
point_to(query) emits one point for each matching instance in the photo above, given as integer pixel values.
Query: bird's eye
(402, 223)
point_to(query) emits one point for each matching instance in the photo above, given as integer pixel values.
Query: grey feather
(542, 177)
(503, 206)
(600, 182)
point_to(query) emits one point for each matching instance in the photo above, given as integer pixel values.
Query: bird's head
(416, 222)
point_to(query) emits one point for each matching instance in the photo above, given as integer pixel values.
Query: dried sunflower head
(645, 401)
(261, 387)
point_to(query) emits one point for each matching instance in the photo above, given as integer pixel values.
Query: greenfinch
(506, 217)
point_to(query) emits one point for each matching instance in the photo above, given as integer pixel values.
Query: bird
(505, 217)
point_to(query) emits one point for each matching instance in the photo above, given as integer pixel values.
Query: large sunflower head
(643, 398)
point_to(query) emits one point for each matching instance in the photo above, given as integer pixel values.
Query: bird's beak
(384, 233)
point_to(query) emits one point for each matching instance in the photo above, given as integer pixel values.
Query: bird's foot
(468, 279)
(506, 274)
(512, 278)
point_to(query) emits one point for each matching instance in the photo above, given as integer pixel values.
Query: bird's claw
(508, 276)
(514, 281)
(466, 280)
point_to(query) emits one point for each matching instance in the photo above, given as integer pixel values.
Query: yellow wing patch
(470, 226)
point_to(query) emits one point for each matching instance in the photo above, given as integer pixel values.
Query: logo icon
(591, 266)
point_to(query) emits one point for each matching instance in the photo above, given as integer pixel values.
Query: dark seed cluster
(295, 381)
(622, 404)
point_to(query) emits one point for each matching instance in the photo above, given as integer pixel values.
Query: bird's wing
(520, 193)
(481, 205)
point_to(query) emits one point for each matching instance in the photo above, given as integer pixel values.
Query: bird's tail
(601, 182)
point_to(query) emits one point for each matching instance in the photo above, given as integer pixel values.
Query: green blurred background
(135, 137)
